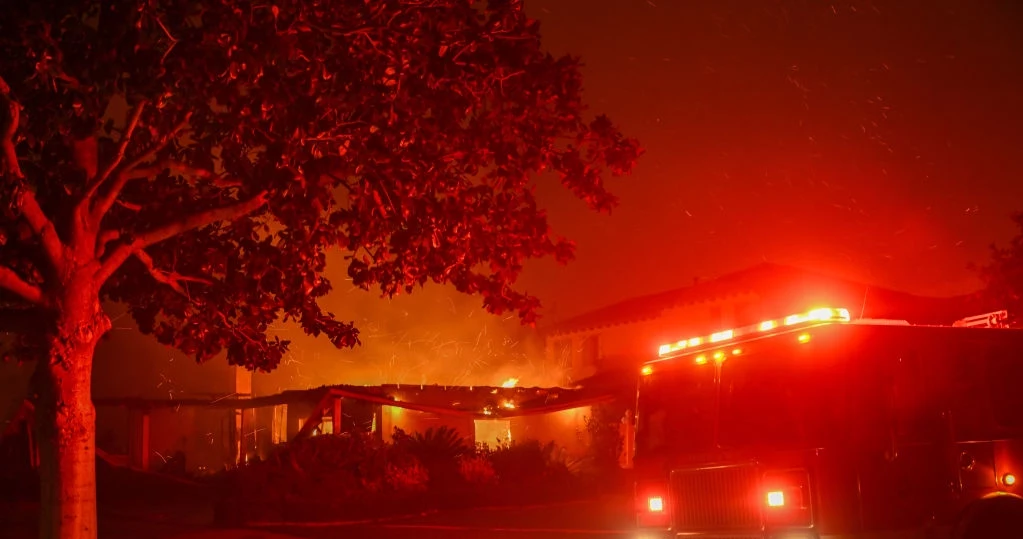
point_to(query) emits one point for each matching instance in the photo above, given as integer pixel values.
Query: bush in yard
(527, 461)
(477, 470)
(319, 472)
(605, 437)
(355, 475)
(439, 449)
(409, 476)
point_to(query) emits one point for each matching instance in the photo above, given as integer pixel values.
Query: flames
(509, 383)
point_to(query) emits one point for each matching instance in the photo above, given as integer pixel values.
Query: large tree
(195, 160)
(1003, 275)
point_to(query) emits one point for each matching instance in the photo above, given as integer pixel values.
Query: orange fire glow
(510, 382)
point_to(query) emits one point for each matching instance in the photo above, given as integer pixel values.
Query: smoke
(436, 335)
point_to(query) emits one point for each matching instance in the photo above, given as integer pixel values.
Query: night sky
(876, 141)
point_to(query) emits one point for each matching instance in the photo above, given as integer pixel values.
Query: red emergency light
(823, 315)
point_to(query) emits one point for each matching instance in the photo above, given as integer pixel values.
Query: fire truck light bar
(813, 316)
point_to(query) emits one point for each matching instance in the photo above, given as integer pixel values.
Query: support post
(336, 418)
(243, 390)
(138, 442)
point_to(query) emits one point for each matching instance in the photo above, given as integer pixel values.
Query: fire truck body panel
(830, 430)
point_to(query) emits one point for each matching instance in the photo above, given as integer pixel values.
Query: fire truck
(817, 426)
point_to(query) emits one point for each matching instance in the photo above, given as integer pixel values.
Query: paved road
(601, 519)
(604, 519)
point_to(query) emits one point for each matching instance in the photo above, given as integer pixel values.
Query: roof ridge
(750, 279)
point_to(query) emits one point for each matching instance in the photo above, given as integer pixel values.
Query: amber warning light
(813, 316)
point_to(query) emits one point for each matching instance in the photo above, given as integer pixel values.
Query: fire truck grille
(720, 498)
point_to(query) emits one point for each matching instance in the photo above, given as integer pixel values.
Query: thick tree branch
(160, 144)
(127, 175)
(12, 282)
(83, 224)
(25, 199)
(131, 171)
(191, 222)
(10, 112)
(41, 225)
(103, 238)
(122, 147)
(169, 278)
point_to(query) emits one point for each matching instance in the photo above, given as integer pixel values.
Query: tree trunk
(65, 418)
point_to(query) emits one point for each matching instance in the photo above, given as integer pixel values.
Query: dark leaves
(1003, 275)
(409, 134)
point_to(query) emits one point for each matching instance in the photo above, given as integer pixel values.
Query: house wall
(208, 438)
(415, 421)
(567, 429)
(589, 352)
(203, 435)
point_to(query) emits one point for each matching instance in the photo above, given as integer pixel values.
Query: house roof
(478, 402)
(766, 279)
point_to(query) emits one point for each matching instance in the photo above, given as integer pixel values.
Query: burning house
(157, 409)
(482, 415)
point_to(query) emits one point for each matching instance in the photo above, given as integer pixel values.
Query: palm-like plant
(438, 449)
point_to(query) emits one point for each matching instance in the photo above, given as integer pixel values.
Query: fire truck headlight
(776, 498)
(655, 504)
(787, 495)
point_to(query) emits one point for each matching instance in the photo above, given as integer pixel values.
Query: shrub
(605, 437)
(439, 449)
(357, 475)
(405, 478)
(522, 462)
(477, 470)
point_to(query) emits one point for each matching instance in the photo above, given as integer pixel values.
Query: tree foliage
(206, 155)
(1003, 274)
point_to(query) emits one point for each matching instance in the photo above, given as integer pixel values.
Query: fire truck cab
(817, 426)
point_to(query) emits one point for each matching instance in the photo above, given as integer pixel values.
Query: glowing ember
(510, 382)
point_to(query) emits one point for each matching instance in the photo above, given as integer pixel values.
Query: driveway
(608, 518)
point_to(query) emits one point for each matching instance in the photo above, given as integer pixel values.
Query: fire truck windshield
(772, 403)
(678, 408)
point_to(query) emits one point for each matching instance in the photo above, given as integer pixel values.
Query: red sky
(877, 140)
